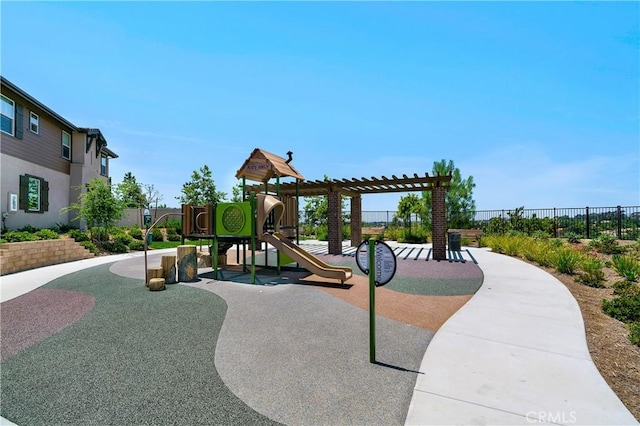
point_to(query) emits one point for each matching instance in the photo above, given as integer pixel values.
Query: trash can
(454, 241)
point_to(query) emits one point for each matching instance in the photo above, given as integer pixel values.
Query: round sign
(384, 263)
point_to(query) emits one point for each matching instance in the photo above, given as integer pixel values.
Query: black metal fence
(582, 222)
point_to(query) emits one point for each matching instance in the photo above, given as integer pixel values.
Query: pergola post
(334, 222)
(439, 222)
(356, 220)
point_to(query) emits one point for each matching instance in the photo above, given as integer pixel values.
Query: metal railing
(623, 222)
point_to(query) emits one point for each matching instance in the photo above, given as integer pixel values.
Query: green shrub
(627, 267)
(156, 235)
(606, 244)
(592, 274)
(100, 234)
(623, 308)
(634, 333)
(512, 245)
(346, 231)
(322, 233)
(175, 224)
(307, 230)
(626, 288)
(567, 261)
(28, 228)
(540, 235)
(136, 245)
(413, 239)
(64, 228)
(173, 237)
(392, 233)
(115, 247)
(47, 234)
(19, 236)
(78, 235)
(572, 237)
(172, 231)
(136, 233)
(123, 238)
(90, 246)
(416, 235)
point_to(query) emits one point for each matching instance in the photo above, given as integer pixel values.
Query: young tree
(409, 205)
(98, 206)
(151, 195)
(236, 193)
(316, 208)
(459, 200)
(201, 189)
(131, 192)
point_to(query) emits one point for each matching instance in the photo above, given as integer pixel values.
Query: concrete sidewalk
(516, 353)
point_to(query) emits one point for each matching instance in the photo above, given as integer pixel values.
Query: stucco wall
(10, 170)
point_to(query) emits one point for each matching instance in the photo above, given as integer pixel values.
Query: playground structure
(264, 217)
(269, 213)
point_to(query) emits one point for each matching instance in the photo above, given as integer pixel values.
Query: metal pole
(587, 219)
(619, 222)
(253, 238)
(372, 301)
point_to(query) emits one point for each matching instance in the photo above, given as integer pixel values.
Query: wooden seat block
(156, 284)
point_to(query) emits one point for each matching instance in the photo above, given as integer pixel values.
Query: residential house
(45, 161)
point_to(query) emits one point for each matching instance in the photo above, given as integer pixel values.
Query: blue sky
(539, 102)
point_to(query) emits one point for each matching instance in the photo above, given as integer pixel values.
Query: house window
(34, 194)
(103, 165)
(34, 122)
(8, 116)
(66, 145)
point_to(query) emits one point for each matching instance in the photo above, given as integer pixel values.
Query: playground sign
(258, 166)
(384, 263)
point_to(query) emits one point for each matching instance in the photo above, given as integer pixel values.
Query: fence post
(555, 223)
(387, 218)
(619, 222)
(587, 218)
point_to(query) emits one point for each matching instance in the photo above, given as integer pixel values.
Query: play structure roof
(355, 186)
(262, 166)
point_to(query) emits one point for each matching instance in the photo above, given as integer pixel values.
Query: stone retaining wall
(16, 257)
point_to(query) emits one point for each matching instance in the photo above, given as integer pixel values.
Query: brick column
(356, 220)
(439, 223)
(334, 211)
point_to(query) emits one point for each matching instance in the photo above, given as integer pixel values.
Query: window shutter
(19, 122)
(44, 195)
(24, 192)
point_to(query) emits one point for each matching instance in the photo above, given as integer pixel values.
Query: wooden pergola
(354, 188)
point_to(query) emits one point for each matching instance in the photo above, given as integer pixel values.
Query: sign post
(372, 303)
(383, 259)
